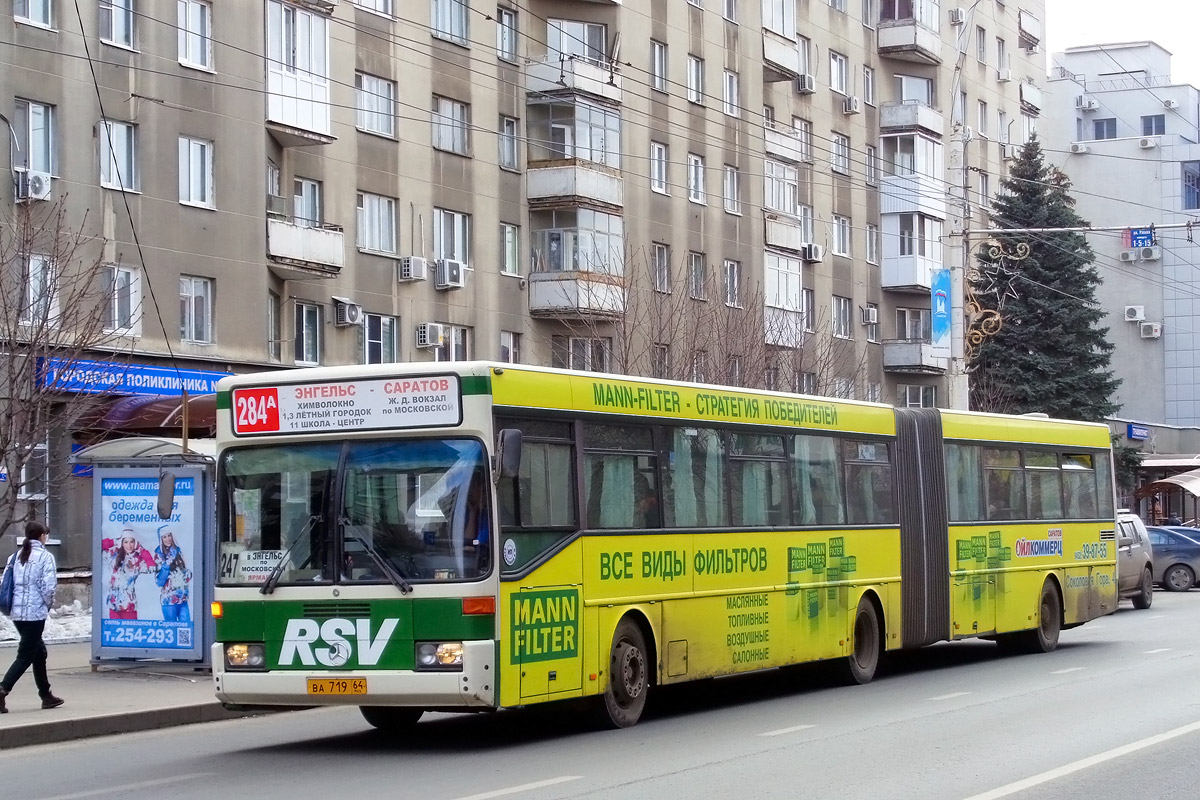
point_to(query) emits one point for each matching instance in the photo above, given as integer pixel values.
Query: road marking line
(792, 729)
(1065, 671)
(129, 787)
(525, 787)
(1159, 650)
(948, 696)
(1084, 763)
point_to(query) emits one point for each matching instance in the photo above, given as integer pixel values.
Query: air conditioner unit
(870, 315)
(277, 206)
(450, 274)
(806, 84)
(852, 105)
(1004, 75)
(1135, 313)
(1128, 255)
(1148, 144)
(812, 252)
(1149, 253)
(431, 334)
(1170, 104)
(346, 313)
(1151, 330)
(31, 185)
(957, 16)
(412, 268)
(1080, 148)
(1085, 102)
(1008, 152)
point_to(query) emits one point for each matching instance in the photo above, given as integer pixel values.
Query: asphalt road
(1114, 713)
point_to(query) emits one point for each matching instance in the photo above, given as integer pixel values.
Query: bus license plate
(337, 686)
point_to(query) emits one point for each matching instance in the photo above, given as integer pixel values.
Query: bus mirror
(166, 495)
(508, 453)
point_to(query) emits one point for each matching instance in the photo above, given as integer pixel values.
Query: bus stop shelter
(1187, 484)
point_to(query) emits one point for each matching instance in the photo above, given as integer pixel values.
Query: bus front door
(545, 640)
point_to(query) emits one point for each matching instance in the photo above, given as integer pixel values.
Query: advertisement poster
(147, 583)
(940, 305)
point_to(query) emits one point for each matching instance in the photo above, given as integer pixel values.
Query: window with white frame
(456, 346)
(872, 159)
(124, 300)
(985, 190)
(804, 50)
(510, 249)
(839, 73)
(196, 172)
(842, 388)
(733, 283)
(915, 396)
(450, 20)
(306, 203)
(376, 104)
(695, 79)
(568, 39)
(582, 353)
(771, 378)
(379, 339)
(696, 178)
(508, 143)
(729, 10)
(378, 6)
(781, 277)
(195, 33)
(506, 34)
(658, 66)
(660, 361)
(699, 366)
(981, 43)
(841, 235)
(33, 126)
(1001, 54)
(807, 229)
(780, 16)
(982, 120)
(874, 393)
(840, 156)
(768, 116)
(661, 267)
(274, 326)
(781, 187)
(806, 383)
(118, 155)
(39, 292)
(732, 189)
(868, 85)
(452, 235)
(919, 235)
(869, 14)
(733, 370)
(35, 11)
(842, 313)
(1002, 125)
(872, 312)
(730, 103)
(914, 324)
(1029, 126)
(697, 276)
(960, 108)
(910, 88)
(804, 137)
(808, 310)
(838, 5)
(376, 223)
(696, 3)
(658, 167)
(298, 43)
(116, 22)
(450, 125)
(510, 347)
(308, 333)
(195, 309)
(35, 470)
(872, 243)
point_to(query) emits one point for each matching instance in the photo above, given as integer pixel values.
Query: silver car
(1135, 560)
(1176, 557)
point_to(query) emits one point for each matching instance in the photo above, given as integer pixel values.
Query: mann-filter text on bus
(714, 405)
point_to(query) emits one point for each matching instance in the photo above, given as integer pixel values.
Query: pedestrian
(35, 577)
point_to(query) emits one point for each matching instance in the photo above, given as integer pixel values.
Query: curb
(64, 730)
(62, 640)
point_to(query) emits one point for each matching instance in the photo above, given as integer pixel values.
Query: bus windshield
(382, 511)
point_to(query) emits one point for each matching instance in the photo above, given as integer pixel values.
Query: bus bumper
(473, 687)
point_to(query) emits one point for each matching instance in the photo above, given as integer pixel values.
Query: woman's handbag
(8, 587)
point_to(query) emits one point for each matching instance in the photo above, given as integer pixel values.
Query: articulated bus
(477, 536)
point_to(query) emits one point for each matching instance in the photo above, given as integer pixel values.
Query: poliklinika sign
(107, 377)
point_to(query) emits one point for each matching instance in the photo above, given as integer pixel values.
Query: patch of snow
(72, 621)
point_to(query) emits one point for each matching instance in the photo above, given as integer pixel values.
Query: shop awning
(1188, 481)
(146, 449)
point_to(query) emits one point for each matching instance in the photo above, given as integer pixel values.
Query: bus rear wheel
(391, 719)
(628, 676)
(865, 653)
(1043, 638)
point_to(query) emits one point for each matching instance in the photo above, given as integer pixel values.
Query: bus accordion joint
(478, 605)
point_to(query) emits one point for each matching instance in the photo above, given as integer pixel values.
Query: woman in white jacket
(35, 579)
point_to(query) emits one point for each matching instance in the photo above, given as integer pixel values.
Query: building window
(910, 88)
(567, 39)
(658, 66)
(1191, 184)
(781, 187)
(450, 20)
(780, 16)
(580, 240)
(696, 178)
(452, 235)
(306, 203)
(1105, 128)
(781, 277)
(842, 312)
(872, 160)
(379, 336)
(917, 396)
(33, 124)
(116, 22)
(695, 80)
(195, 33)
(378, 6)
(872, 243)
(196, 172)
(729, 10)
(510, 249)
(841, 236)
(699, 370)
(732, 189)
(510, 347)
(840, 161)
(124, 300)
(376, 104)
(733, 371)
(308, 333)
(806, 383)
(35, 11)
(730, 102)
(376, 223)
(658, 167)
(869, 85)
(982, 120)
(806, 224)
(1155, 125)
(804, 136)
(872, 312)
(456, 346)
(838, 5)
(804, 50)
(874, 393)
(575, 128)
(660, 361)
(195, 309)
(508, 143)
(839, 73)
(697, 276)
(868, 13)
(733, 283)
(450, 121)
(118, 155)
(981, 43)
(808, 310)
(39, 300)
(842, 388)
(506, 34)
(960, 108)
(919, 235)
(1001, 54)
(274, 326)
(1002, 125)
(35, 470)
(914, 324)
(661, 266)
(985, 189)
(587, 354)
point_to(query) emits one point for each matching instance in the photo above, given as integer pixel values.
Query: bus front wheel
(864, 655)
(391, 719)
(628, 676)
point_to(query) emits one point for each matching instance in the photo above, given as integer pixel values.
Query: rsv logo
(334, 645)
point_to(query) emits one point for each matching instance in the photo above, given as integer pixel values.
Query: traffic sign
(1141, 237)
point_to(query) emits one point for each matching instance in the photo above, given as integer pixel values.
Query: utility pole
(959, 261)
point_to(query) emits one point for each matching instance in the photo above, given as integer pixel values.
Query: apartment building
(1127, 135)
(756, 193)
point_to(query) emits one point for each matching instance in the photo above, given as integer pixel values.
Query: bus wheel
(864, 658)
(628, 676)
(1043, 638)
(391, 719)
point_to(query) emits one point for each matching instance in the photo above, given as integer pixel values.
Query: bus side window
(694, 485)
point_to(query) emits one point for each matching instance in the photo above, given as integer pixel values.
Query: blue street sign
(106, 377)
(940, 304)
(1137, 432)
(1141, 237)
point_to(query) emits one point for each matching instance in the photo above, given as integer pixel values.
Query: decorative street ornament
(991, 277)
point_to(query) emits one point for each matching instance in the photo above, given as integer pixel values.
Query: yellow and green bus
(476, 536)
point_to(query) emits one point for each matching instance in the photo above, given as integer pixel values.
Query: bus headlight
(245, 656)
(439, 655)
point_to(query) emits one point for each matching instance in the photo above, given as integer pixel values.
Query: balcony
(908, 273)
(912, 356)
(298, 108)
(567, 75)
(1031, 98)
(298, 251)
(783, 143)
(551, 183)
(576, 295)
(783, 327)
(780, 230)
(911, 115)
(912, 32)
(913, 194)
(781, 58)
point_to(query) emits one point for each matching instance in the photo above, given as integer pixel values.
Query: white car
(1135, 560)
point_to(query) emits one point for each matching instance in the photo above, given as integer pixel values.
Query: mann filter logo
(545, 625)
(335, 642)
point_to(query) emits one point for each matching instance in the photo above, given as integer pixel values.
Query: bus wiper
(385, 565)
(269, 584)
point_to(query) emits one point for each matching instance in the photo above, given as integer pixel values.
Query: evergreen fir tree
(1050, 353)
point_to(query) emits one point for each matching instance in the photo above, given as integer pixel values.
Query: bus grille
(336, 610)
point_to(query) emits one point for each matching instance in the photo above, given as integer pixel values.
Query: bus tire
(628, 676)
(865, 646)
(391, 719)
(1145, 594)
(1043, 638)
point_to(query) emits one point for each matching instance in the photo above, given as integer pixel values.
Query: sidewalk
(118, 697)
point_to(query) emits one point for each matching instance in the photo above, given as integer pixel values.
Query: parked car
(1135, 560)
(1176, 556)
